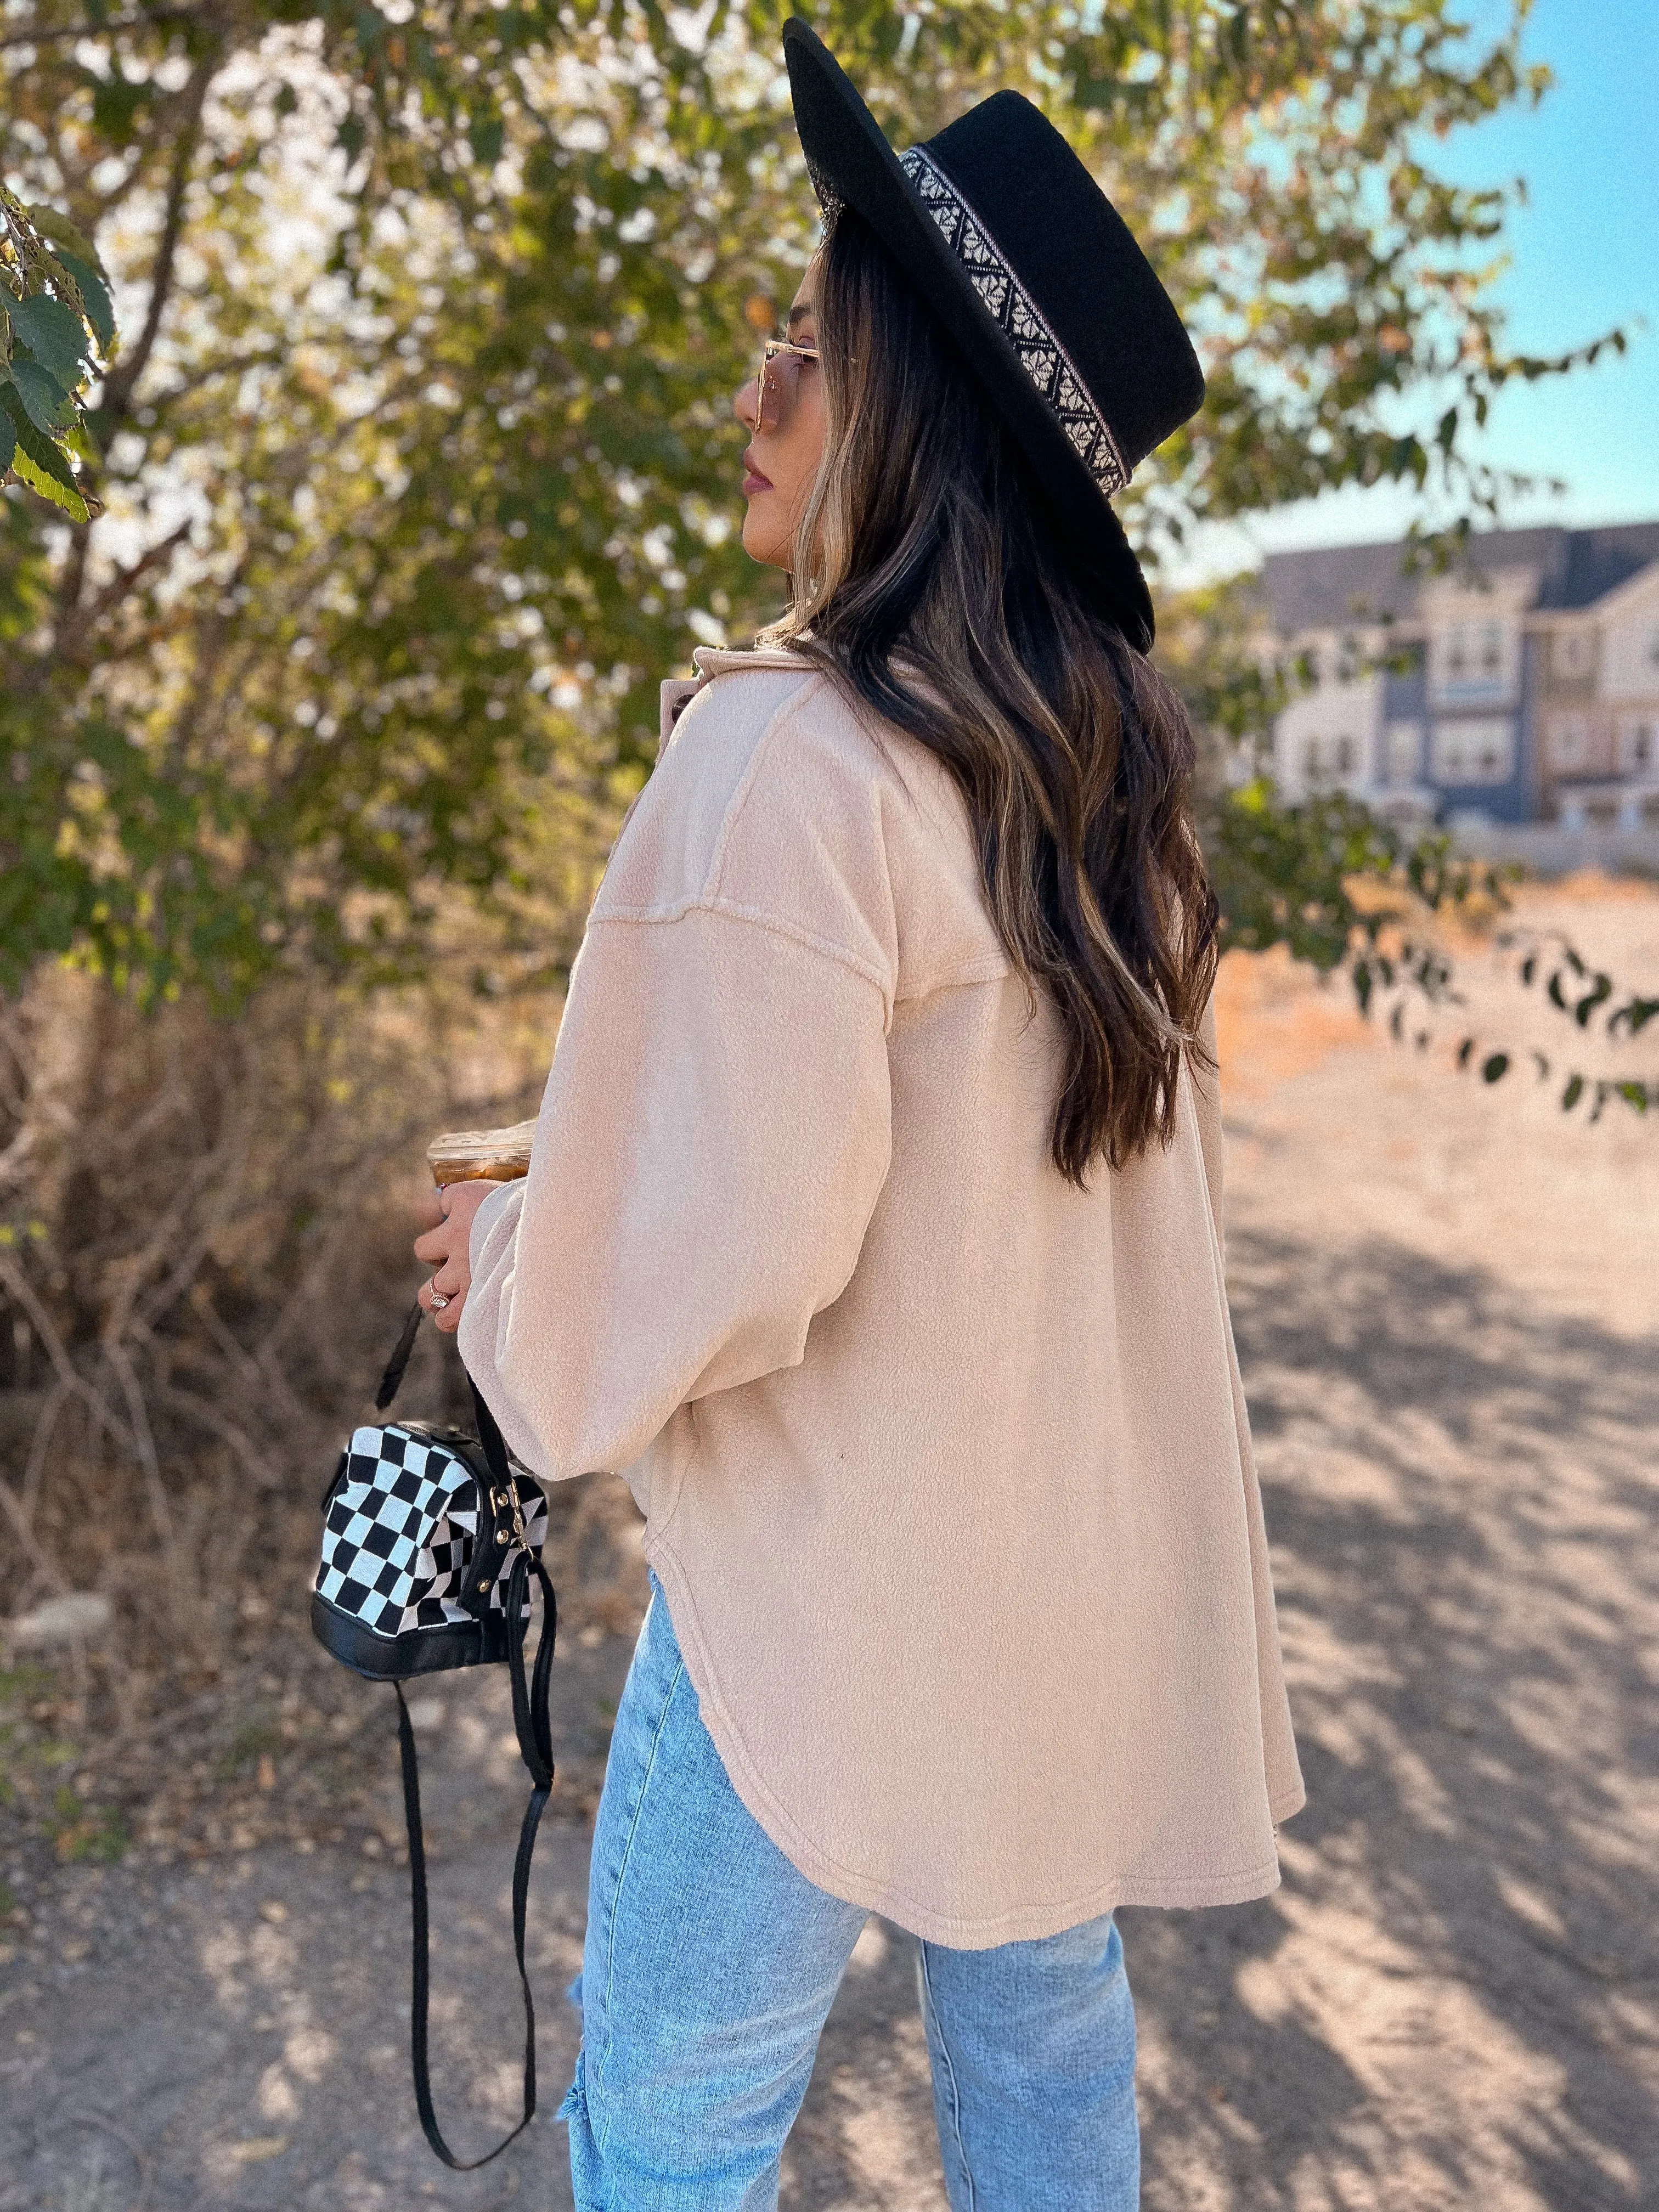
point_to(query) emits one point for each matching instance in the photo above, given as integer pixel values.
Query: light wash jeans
(708, 1971)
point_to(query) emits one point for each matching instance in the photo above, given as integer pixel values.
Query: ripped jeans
(709, 1968)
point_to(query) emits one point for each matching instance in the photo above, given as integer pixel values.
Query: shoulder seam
(754, 918)
(983, 967)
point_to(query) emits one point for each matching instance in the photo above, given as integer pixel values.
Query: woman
(873, 1231)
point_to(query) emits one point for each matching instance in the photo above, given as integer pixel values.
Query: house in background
(1521, 686)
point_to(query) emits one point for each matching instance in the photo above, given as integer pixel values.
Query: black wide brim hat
(1035, 276)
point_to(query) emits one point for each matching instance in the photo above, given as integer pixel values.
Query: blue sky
(1585, 256)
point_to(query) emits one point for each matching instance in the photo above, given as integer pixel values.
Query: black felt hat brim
(845, 147)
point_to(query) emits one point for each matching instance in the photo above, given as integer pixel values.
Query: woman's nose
(746, 406)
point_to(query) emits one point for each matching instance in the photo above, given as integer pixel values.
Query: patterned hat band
(1017, 313)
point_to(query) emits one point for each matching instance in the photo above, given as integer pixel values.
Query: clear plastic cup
(486, 1155)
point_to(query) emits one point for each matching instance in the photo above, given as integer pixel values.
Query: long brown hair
(931, 584)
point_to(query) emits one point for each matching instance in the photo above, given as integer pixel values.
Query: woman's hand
(448, 1214)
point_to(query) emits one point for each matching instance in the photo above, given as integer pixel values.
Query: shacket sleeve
(715, 1129)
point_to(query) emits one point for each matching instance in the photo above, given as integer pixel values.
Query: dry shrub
(206, 1260)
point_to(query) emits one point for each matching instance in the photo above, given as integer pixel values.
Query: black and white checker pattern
(1012, 307)
(398, 1535)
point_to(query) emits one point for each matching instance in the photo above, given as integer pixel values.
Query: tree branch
(124, 377)
(29, 1542)
(233, 365)
(120, 585)
(19, 1288)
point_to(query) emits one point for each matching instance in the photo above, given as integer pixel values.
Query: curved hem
(955, 1932)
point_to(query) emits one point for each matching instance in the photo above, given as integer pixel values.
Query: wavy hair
(932, 586)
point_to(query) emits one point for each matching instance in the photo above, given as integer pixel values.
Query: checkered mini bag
(397, 1592)
(432, 1540)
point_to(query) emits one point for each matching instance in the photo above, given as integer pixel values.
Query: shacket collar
(711, 660)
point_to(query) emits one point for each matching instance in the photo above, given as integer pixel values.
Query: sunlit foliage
(417, 465)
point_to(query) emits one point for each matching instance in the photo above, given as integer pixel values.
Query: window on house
(1572, 653)
(1479, 749)
(1404, 752)
(1474, 660)
(1328, 754)
(1638, 744)
(1569, 741)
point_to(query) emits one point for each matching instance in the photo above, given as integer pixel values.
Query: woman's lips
(753, 481)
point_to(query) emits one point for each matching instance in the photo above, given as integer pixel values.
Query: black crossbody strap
(530, 1714)
(489, 1436)
(542, 1680)
(399, 1359)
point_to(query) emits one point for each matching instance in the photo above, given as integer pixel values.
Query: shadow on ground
(1453, 2000)
(1455, 1997)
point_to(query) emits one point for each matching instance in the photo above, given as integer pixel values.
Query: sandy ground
(1447, 1302)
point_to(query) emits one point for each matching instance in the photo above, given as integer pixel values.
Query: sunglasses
(780, 379)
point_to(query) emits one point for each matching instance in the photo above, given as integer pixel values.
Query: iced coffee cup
(481, 1155)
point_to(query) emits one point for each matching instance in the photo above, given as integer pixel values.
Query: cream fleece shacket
(945, 1464)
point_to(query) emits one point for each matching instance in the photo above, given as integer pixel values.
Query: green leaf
(39, 464)
(115, 107)
(100, 313)
(1495, 1068)
(28, 467)
(53, 333)
(80, 440)
(7, 444)
(48, 405)
(1572, 1094)
(56, 226)
(1587, 1005)
(486, 138)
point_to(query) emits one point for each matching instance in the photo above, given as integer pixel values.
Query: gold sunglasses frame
(770, 348)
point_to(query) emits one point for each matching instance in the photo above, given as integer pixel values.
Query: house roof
(1599, 561)
(1328, 585)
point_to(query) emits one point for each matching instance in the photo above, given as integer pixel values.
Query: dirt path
(1447, 1302)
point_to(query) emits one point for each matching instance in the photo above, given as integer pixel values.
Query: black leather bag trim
(417, 1651)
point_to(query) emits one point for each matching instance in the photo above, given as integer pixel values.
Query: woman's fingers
(442, 1301)
(429, 1208)
(443, 1247)
(448, 1216)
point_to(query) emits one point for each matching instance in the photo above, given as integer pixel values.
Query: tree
(418, 466)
